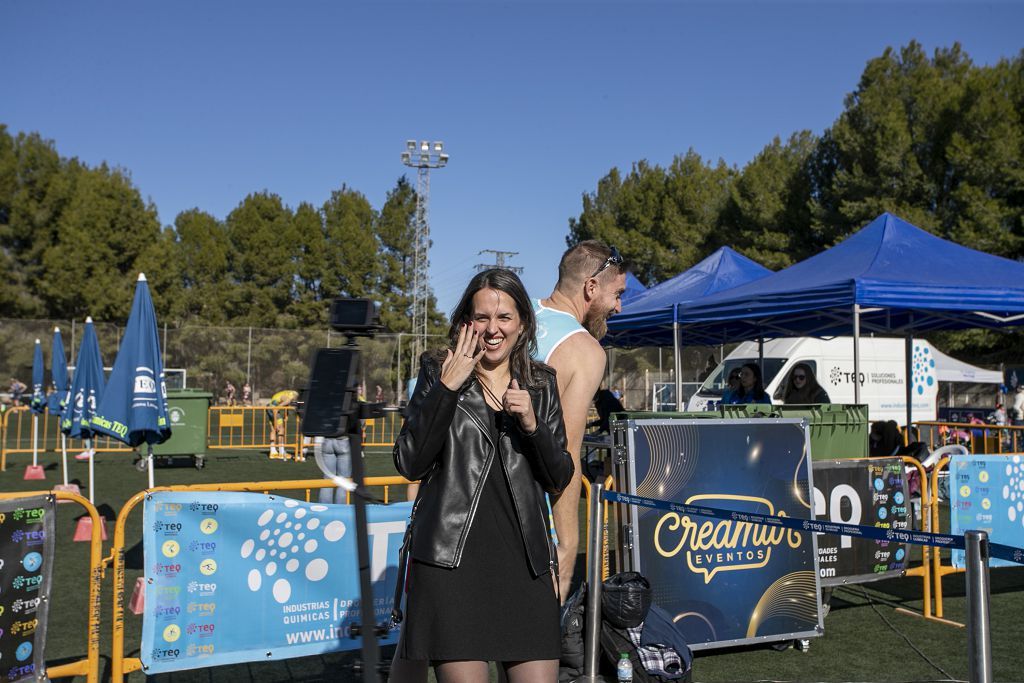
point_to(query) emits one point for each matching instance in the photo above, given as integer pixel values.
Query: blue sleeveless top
(553, 328)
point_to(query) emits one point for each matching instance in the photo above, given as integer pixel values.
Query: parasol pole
(92, 471)
(64, 455)
(149, 465)
(35, 439)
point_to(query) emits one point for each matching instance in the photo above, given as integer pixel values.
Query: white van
(882, 373)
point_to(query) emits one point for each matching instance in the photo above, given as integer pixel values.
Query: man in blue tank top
(591, 280)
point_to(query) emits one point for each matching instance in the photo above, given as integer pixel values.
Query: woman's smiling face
(496, 320)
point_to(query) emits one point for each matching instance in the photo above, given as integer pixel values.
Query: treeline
(937, 141)
(74, 237)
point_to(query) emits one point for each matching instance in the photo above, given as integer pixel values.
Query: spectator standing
(246, 394)
(1017, 410)
(378, 396)
(229, 392)
(17, 389)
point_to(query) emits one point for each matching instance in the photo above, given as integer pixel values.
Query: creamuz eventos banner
(26, 561)
(869, 491)
(238, 577)
(986, 493)
(725, 582)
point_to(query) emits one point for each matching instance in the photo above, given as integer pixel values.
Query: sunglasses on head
(615, 258)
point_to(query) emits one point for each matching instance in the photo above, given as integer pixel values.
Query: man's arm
(579, 362)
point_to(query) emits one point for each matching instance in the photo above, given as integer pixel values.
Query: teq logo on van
(922, 364)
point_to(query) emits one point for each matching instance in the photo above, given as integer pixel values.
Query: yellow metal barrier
(981, 439)
(250, 427)
(609, 484)
(938, 569)
(16, 436)
(382, 431)
(90, 666)
(121, 665)
(924, 571)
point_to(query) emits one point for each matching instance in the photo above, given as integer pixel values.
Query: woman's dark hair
(520, 363)
(809, 390)
(758, 391)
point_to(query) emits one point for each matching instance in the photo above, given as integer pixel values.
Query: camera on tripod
(330, 401)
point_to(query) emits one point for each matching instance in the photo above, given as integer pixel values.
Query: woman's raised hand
(518, 402)
(458, 365)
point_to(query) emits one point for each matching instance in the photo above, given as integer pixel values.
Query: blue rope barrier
(999, 550)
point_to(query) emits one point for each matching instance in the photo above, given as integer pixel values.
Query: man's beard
(596, 324)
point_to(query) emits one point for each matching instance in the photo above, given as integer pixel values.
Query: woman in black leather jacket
(484, 434)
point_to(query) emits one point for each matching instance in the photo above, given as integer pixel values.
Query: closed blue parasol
(87, 386)
(58, 375)
(38, 402)
(134, 406)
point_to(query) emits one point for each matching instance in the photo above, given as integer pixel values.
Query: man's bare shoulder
(578, 354)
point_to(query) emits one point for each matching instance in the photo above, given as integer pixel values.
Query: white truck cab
(882, 375)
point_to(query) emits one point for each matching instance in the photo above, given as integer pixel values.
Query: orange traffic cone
(83, 530)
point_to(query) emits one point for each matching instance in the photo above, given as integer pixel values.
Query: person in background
(378, 396)
(732, 385)
(570, 323)
(17, 389)
(336, 455)
(884, 439)
(751, 389)
(802, 387)
(277, 417)
(229, 392)
(246, 394)
(709, 367)
(1017, 407)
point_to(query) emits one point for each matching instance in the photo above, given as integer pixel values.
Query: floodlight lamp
(410, 145)
(406, 157)
(424, 146)
(438, 146)
(424, 158)
(443, 158)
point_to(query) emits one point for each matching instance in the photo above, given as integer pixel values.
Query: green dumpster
(187, 411)
(837, 431)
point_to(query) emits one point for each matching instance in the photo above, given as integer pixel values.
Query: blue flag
(58, 398)
(134, 407)
(38, 402)
(87, 386)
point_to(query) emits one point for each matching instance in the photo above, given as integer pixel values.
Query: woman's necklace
(490, 395)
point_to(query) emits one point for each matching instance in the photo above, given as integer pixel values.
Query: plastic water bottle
(624, 670)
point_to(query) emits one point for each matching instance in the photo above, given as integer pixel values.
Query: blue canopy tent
(634, 288)
(652, 318)
(889, 277)
(133, 409)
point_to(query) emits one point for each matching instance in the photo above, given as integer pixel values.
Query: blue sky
(205, 102)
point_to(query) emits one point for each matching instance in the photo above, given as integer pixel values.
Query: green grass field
(865, 639)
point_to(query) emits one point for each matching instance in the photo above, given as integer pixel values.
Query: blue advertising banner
(728, 581)
(237, 577)
(986, 493)
(26, 563)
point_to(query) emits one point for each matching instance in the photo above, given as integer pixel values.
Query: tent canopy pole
(856, 354)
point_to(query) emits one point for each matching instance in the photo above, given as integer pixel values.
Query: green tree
(351, 245)
(767, 216)
(660, 219)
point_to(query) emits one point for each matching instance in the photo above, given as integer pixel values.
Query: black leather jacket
(446, 443)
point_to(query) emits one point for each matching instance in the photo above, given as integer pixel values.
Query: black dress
(489, 608)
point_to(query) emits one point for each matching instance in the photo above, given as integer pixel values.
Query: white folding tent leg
(35, 440)
(64, 456)
(149, 466)
(92, 471)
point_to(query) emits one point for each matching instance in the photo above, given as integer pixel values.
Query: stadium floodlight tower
(422, 156)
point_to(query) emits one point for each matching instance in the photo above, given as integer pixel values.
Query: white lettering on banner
(380, 531)
(834, 511)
